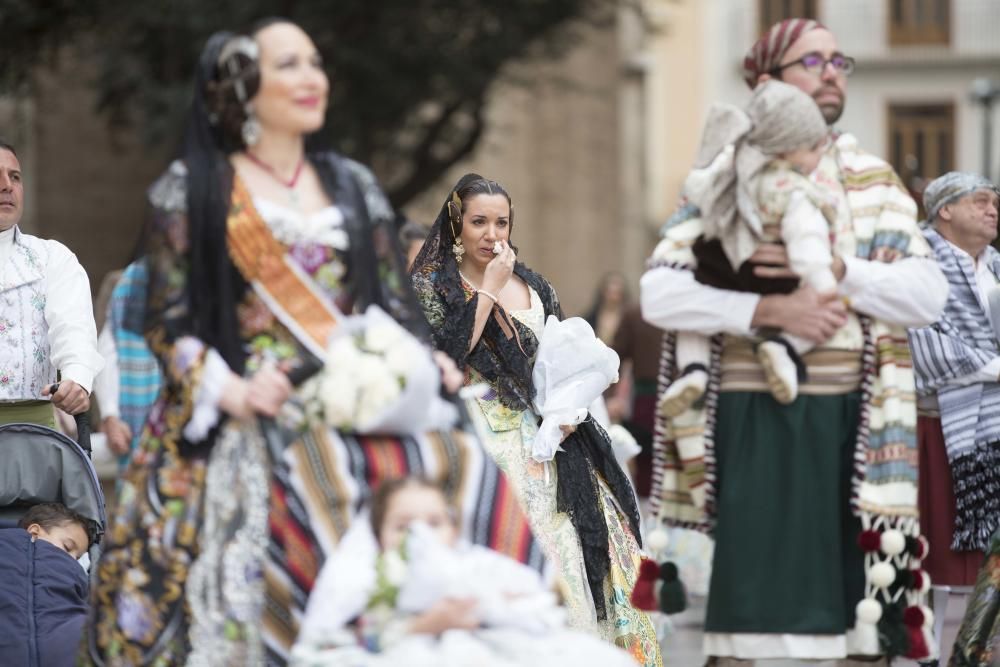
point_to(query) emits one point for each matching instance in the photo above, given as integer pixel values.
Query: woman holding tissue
(488, 312)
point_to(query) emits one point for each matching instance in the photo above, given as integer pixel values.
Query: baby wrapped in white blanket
(417, 596)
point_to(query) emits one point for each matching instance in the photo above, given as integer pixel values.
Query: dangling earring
(250, 130)
(455, 218)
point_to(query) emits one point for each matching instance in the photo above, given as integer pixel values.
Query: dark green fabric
(28, 412)
(786, 554)
(644, 387)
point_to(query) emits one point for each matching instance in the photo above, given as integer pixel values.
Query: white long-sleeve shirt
(62, 299)
(106, 384)
(911, 293)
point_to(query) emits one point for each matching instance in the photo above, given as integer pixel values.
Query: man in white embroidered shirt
(47, 331)
(956, 364)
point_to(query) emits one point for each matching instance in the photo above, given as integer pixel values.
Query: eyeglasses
(815, 63)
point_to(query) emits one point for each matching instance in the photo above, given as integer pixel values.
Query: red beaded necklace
(290, 183)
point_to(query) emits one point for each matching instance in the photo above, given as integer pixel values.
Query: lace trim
(291, 227)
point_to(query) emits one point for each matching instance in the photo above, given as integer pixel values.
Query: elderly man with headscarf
(956, 361)
(813, 505)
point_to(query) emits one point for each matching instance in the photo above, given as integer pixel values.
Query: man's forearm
(672, 299)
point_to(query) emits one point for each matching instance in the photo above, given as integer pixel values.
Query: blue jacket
(43, 602)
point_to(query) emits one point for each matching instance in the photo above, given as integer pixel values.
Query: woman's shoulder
(169, 191)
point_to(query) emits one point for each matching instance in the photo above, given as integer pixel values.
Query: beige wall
(677, 97)
(87, 186)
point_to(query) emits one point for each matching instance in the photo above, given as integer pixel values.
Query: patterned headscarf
(767, 52)
(951, 187)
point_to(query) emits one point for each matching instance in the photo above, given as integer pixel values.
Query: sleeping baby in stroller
(404, 589)
(43, 589)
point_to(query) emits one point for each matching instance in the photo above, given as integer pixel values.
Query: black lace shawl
(506, 363)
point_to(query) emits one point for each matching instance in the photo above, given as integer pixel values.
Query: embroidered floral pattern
(311, 256)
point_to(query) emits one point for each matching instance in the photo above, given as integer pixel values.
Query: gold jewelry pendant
(458, 250)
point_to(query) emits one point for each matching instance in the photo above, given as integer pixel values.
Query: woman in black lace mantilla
(487, 311)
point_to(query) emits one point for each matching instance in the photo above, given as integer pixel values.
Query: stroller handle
(82, 426)
(83, 432)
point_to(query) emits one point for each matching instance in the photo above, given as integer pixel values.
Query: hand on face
(499, 270)
(485, 221)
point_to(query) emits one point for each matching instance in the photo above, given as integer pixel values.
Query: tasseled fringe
(977, 497)
(893, 619)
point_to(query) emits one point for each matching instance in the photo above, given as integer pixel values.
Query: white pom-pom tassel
(928, 616)
(893, 542)
(657, 540)
(868, 611)
(882, 574)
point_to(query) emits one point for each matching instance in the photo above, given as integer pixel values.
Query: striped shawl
(139, 372)
(960, 343)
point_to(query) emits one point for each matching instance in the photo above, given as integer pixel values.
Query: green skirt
(786, 554)
(28, 412)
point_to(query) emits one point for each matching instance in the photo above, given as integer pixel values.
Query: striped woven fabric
(330, 477)
(138, 371)
(831, 371)
(960, 343)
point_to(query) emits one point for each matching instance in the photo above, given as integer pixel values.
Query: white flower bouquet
(572, 369)
(378, 378)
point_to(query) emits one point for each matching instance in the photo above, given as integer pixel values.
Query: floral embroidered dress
(221, 526)
(508, 437)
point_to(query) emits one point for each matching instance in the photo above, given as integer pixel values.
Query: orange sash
(286, 289)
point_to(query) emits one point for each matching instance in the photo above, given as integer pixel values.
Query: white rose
(371, 368)
(402, 357)
(343, 352)
(380, 337)
(339, 396)
(378, 393)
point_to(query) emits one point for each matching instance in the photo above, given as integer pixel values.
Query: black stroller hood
(40, 465)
